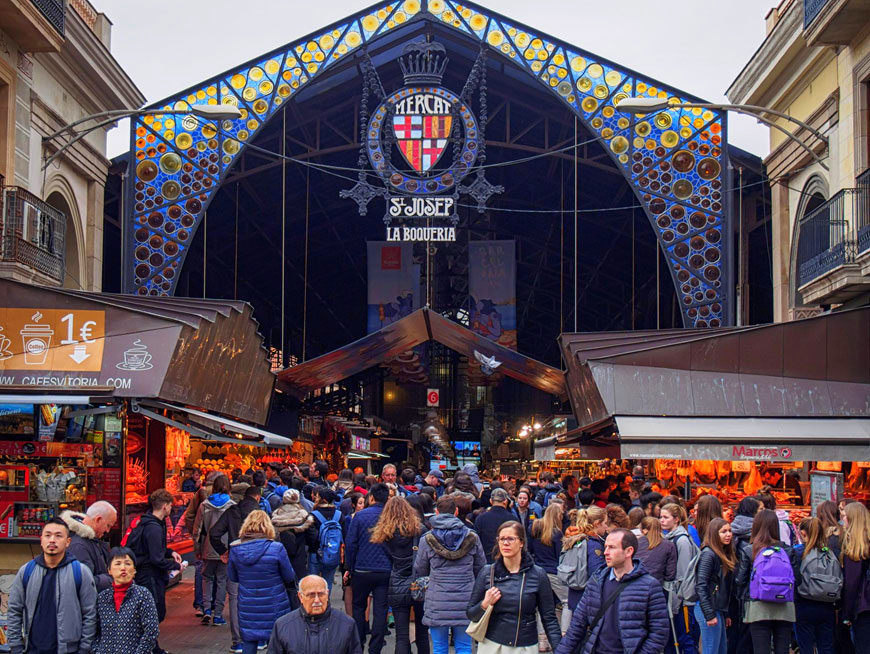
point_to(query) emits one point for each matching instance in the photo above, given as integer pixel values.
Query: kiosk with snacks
(77, 367)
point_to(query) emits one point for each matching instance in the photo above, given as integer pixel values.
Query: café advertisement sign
(72, 347)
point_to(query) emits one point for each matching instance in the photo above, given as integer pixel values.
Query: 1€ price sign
(52, 339)
(433, 397)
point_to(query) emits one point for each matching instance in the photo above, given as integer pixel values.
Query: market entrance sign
(422, 141)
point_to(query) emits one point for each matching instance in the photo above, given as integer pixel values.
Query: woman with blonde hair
(855, 558)
(659, 555)
(587, 545)
(545, 545)
(398, 528)
(260, 567)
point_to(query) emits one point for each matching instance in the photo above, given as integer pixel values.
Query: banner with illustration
(492, 273)
(394, 283)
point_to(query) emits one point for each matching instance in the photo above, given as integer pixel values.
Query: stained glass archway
(675, 161)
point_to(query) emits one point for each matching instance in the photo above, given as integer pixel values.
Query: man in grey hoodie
(52, 604)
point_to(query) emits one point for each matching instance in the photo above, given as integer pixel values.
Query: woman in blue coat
(260, 567)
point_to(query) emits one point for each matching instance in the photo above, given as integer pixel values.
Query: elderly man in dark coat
(87, 545)
(314, 627)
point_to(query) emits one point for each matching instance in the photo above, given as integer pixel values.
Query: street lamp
(216, 112)
(638, 105)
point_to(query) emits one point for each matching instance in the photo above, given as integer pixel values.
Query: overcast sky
(700, 47)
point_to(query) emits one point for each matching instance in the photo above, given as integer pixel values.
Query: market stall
(76, 366)
(729, 410)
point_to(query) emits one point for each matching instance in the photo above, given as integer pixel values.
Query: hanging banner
(394, 283)
(492, 275)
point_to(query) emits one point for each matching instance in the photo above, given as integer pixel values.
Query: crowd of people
(567, 565)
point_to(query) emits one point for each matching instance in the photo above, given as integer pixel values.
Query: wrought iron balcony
(32, 233)
(811, 10)
(54, 11)
(836, 233)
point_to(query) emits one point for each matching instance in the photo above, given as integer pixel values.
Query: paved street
(181, 632)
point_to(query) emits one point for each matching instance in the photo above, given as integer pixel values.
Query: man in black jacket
(87, 531)
(487, 523)
(154, 560)
(224, 532)
(314, 627)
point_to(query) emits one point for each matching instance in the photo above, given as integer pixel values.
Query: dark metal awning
(207, 353)
(421, 326)
(701, 393)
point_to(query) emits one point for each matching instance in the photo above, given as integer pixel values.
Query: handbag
(418, 588)
(477, 628)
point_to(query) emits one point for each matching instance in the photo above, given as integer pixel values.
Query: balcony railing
(54, 11)
(836, 233)
(32, 233)
(811, 10)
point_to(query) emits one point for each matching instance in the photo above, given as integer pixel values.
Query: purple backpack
(772, 578)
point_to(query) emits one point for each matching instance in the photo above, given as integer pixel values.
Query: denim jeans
(375, 584)
(197, 584)
(315, 567)
(441, 640)
(214, 572)
(814, 626)
(249, 647)
(233, 595)
(712, 638)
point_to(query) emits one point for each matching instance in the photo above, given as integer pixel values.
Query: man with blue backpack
(52, 604)
(324, 535)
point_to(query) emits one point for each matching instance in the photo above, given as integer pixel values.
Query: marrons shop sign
(743, 452)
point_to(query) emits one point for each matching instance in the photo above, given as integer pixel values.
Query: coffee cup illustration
(136, 357)
(5, 344)
(37, 342)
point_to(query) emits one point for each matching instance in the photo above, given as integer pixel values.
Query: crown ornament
(423, 62)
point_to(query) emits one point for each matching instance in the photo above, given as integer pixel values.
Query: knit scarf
(119, 592)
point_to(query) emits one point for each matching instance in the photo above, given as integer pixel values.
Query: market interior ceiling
(238, 252)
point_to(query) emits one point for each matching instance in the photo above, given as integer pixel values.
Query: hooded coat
(641, 609)
(87, 548)
(292, 522)
(451, 555)
(741, 529)
(226, 529)
(261, 568)
(153, 559)
(471, 470)
(207, 515)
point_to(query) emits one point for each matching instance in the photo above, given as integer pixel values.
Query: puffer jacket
(261, 568)
(686, 551)
(87, 548)
(451, 555)
(713, 587)
(401, 550)
(331, 631)
(360, 553)
(643, 615)
(660, 561)
(292, 523)
(207, 515)
(523, 594)
(133, 629)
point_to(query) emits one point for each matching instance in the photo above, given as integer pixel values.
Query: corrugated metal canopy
(817, 367)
